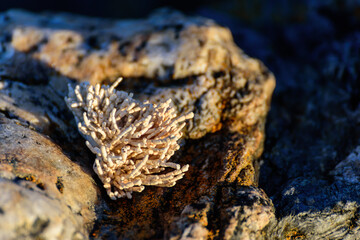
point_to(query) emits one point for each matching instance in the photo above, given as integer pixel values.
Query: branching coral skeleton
(132, 140)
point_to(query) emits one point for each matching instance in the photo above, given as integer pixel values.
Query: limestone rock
(191, 60)
(168, 48)
(311, 166)
(339, 222)
(42, 190)
(39, 106)
(348, 170)
(193, 222)
(246, 213)
(242, 213)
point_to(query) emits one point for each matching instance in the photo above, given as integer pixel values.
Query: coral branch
(132, 140)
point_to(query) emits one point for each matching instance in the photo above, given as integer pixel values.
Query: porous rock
(245, 212)
(39, 106)
(311, 165)
(339, 222)
(312, 208)
(42, 190)
(239, 213)
(191, 60)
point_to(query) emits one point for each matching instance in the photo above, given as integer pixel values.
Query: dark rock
(245, 214)
(239, 213)
(339, 222)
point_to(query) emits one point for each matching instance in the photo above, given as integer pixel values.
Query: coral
(132, 140)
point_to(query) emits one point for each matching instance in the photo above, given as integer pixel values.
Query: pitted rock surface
(191, 60)
(42, 190)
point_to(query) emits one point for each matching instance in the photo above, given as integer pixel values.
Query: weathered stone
(310, 163)
(340, 222)
(191, 60)
(43, 193)
(39, 106)
(239, 213)
(348, 170)
(312, 208)
(192, 223)
(167, 47)
(246, 213)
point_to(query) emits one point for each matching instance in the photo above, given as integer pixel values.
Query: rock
(348, 170)
(191, 60)
(313, 208)
(240, 213)
(39, 106)
(193, 221)
(339, 222)
(245, 214)
(42, 190)
(310, 163)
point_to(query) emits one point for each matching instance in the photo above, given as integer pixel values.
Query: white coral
(132, 140)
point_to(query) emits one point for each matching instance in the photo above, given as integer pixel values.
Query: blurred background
(321, 17)
(104, 8)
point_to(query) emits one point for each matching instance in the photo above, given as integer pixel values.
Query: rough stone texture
(193, 221)
(339, 222)
(348, 170)
(237, 213)
(244, 213)
(41, 107)
(191, 60)
(44, 195)
(310, 161)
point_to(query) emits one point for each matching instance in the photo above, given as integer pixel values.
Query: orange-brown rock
(43, 193)
(191, 60)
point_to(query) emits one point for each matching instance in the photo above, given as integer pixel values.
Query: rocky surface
(310, 162)
(240, 212)
(191, 60)
(43, 193)
(310, 165)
